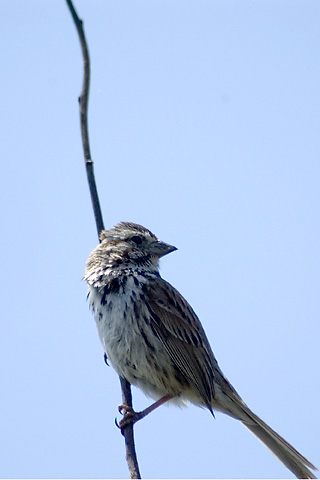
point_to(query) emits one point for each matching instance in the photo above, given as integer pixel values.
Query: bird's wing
(178, 328)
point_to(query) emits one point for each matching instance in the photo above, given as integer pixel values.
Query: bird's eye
(136, 239)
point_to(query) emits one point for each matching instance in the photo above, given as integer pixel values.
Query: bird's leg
(130, 416)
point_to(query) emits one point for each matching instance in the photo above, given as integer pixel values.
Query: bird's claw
(125, 410)
(129, 417)
(105, 358)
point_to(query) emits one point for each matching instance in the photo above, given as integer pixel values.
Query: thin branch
(131, 456)
(127, 432)
(83, 105)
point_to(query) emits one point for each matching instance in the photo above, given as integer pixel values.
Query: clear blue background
(204, 122)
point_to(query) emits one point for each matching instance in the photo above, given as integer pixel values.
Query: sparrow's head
(128, 245)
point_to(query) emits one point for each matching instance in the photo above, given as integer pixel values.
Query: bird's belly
(132, 348)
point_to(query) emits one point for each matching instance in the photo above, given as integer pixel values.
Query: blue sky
(204, 127)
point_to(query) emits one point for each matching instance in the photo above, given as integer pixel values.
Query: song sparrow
(154, 339)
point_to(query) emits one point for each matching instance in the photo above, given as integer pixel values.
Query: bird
(153, 338)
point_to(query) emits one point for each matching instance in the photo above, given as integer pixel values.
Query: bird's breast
(124, 326)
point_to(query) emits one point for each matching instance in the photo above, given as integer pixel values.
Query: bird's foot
(129, 416)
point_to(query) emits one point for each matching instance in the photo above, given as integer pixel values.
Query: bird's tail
(288, 455)
(297, 463)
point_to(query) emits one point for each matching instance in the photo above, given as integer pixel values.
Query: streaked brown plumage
(154, 339)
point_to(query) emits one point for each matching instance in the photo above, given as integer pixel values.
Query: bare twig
(127, 431)
(83, 105)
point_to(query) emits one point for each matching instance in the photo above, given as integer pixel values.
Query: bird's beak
(160, 248)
